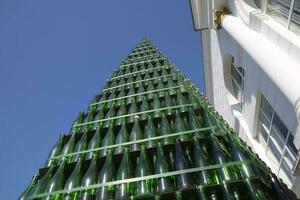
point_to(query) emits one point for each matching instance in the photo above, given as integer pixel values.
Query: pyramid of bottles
(150, 134)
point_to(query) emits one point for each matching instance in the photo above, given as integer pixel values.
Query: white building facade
(252, 75)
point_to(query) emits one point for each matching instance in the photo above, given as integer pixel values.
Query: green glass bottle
(200, 161)
(184, 181)
(195, 123)
(108, 139)
(164, 184)
(164, 129)
(95, 142)
(193, 99)
(124, 172)
(78, 120)
(144, 188)
(156, 106)
(69, 147)
(181, 101)
(168, 103)
(135, 134)
(107, 174)
(90, 178)
(161, 94)
(180, 126)
(147, 75)
(121, 101)
(56, 183)
(171, 85)
(27, 192)
(55, 151)
(40, 186)
(122, 111)
(110, 114)
(150, 132)
(150, 88)
(140, 90)
(73, 181)
(99, 116)
(144, 107)
(88, 118)
(133, 109)
(80, 146)
(131, 92)
(122, 137)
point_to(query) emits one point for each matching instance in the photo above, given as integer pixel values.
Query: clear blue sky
(55, 55)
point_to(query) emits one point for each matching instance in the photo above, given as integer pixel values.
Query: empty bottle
(144, 107)
(69, 147)
(122, 137)
(27, 191)
(109, 139)
(80, 146)
(160, 86)
(107, 174)
(88, 118)
(150, 88)
(164, 129)
(132, 110)
(168, 103)
(55, 151)
(95, 142)
(156, 106)
(74, 181)
(99, 116)
(195, 123)
(90, 178)
(130, 99)
(110, 114)
(180, 126)
(140, 90)
(143, 168)
(150, 132)
(172, 90)
(122, 111)
(124, 172)
(164, 184)
(184, 181)
(181, 101)
(56, 182)
(78, 121)
(135, 134)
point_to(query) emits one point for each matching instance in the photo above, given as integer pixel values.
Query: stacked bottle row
(143, 47)
(159, 162)
(137, 77)
(143, 53)
(151, 104)
(157, 55)
(120, 131)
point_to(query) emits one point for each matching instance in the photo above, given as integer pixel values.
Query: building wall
(256, 81)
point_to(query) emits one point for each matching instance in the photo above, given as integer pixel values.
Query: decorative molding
(256, 18)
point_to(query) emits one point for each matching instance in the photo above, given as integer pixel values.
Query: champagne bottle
(99, 116)
(170, 85)
(164, 184)
(27, 192)
(140, 97)
(144, 188)
(144, 107)
(133, 109)
(55, 151)
(119, 102)
(95, 142)
(220, 158)
(130, 100)
(110, 114)
(195, 123)
(200, 161)
(109, 139)
(40, 186)
(124, 172)
(88, 118)
(184, 181)
(160, 86)
(169, 103)
(150, 88)
(107, 174)
(181, 101)
(156, 106)
(122, 137)
(69, 147)
(180, 126)
(164, 129)
(56, 182)
(150, 132)
(80, 146)
(74, 181)
(122, 111)
(136, 134)
(88, 179)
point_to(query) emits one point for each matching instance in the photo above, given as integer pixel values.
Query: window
(286, 12)
(237, 81)
(277, 139)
